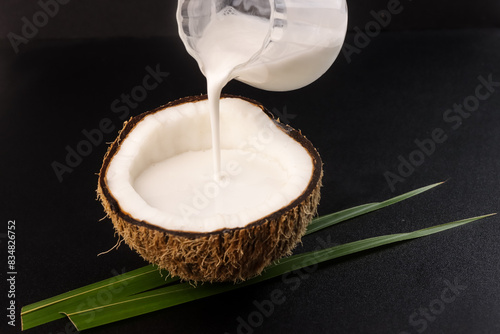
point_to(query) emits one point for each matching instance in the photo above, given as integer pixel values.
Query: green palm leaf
(181, 293)
(140, 288)
(341, 216)
(117, 287)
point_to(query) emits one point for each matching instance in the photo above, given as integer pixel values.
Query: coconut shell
(224, 255)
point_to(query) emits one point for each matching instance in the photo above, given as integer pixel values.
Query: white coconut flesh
(162, 172)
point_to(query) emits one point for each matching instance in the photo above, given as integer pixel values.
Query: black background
(147, 18)
(364, 113)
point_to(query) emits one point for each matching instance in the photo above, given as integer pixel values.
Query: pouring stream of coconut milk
(275, 45)
(227, 43)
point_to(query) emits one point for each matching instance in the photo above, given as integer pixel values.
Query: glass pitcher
(302, 37)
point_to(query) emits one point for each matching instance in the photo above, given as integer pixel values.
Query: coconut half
(156, 184)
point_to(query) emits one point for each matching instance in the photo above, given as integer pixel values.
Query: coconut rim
(105, 193)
